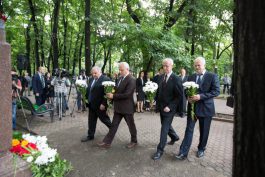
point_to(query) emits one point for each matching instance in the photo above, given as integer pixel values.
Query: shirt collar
(203, 72)
(169, 74)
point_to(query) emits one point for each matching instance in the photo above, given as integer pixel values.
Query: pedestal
(6, 158)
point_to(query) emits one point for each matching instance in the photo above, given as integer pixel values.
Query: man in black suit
(97, 103)
(123, 107)
(38, 86)
(169, 102)
(209, 87)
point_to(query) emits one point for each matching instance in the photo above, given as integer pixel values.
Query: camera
(60, 73)
(14, 78)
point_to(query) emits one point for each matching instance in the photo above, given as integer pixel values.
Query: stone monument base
(13, 167)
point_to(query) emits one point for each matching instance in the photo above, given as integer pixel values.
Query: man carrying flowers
(209, 87)
(169, 102)
(97, 103)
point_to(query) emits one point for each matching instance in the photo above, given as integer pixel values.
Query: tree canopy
(79, 34)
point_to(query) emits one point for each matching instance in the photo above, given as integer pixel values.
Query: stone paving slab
(118, 161)
(89, 160)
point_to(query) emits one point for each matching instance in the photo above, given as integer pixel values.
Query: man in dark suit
(123, 107)
(96, 102)
(38, 86)
(209, 87)
(169, 102)
(184, 79)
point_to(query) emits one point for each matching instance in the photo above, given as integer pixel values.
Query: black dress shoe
(200, 154)
(157, 155)
(173, 141)
(88, 138)
(181, 157)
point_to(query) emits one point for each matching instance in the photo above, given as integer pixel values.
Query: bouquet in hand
(191, 89)
(81, 86)
(150, 89)
(108, 88)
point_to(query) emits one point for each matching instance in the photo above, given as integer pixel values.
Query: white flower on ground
(29, 159)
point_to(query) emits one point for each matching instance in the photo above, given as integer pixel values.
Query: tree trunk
(249, 129)
(80, 54)
(36, 31)
(54, 36)
(65, 24)
(1, 7)
(69, 52)
(87, 38)
(28, 48)
(75, 54)
(41, 45)
(107, 51)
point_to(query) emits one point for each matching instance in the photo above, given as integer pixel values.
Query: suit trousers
(115, 124)
(166, 129)
(92, 120)
(204, 124)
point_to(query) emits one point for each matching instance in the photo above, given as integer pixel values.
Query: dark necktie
(199, 80)
(120, 81)
(42, 81)
(164, 81)
(92, 86)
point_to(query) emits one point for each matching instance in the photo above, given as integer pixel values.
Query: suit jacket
(171, 94)
(97, 92)
(210, 88)
(123, 97)
(37, 84)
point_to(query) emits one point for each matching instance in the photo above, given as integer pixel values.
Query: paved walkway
(89, 160)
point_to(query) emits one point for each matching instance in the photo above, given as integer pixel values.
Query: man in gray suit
(209, 87)
(123, 107)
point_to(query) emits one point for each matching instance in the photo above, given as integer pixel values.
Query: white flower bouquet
(150, 89)
(44, 161)
(109, 88)
(81, 86)
(191, 89)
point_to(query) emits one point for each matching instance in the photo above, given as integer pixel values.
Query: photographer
(16, 87)
(60, 83)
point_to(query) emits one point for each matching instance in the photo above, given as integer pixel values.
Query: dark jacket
(210, 88)
(37, 84)
(170, 94)
(97, 92)
(123, 97)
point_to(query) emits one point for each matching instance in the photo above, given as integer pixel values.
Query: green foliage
(112, 27)
(58, 168)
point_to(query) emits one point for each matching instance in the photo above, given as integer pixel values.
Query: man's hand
(109, 95)
(194, 98)
(102, 107)
(166, 109)
(37, 94)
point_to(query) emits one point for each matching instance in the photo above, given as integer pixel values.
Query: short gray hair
(200, 59)
(170, 60)
(96, 68)
(125, 64)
